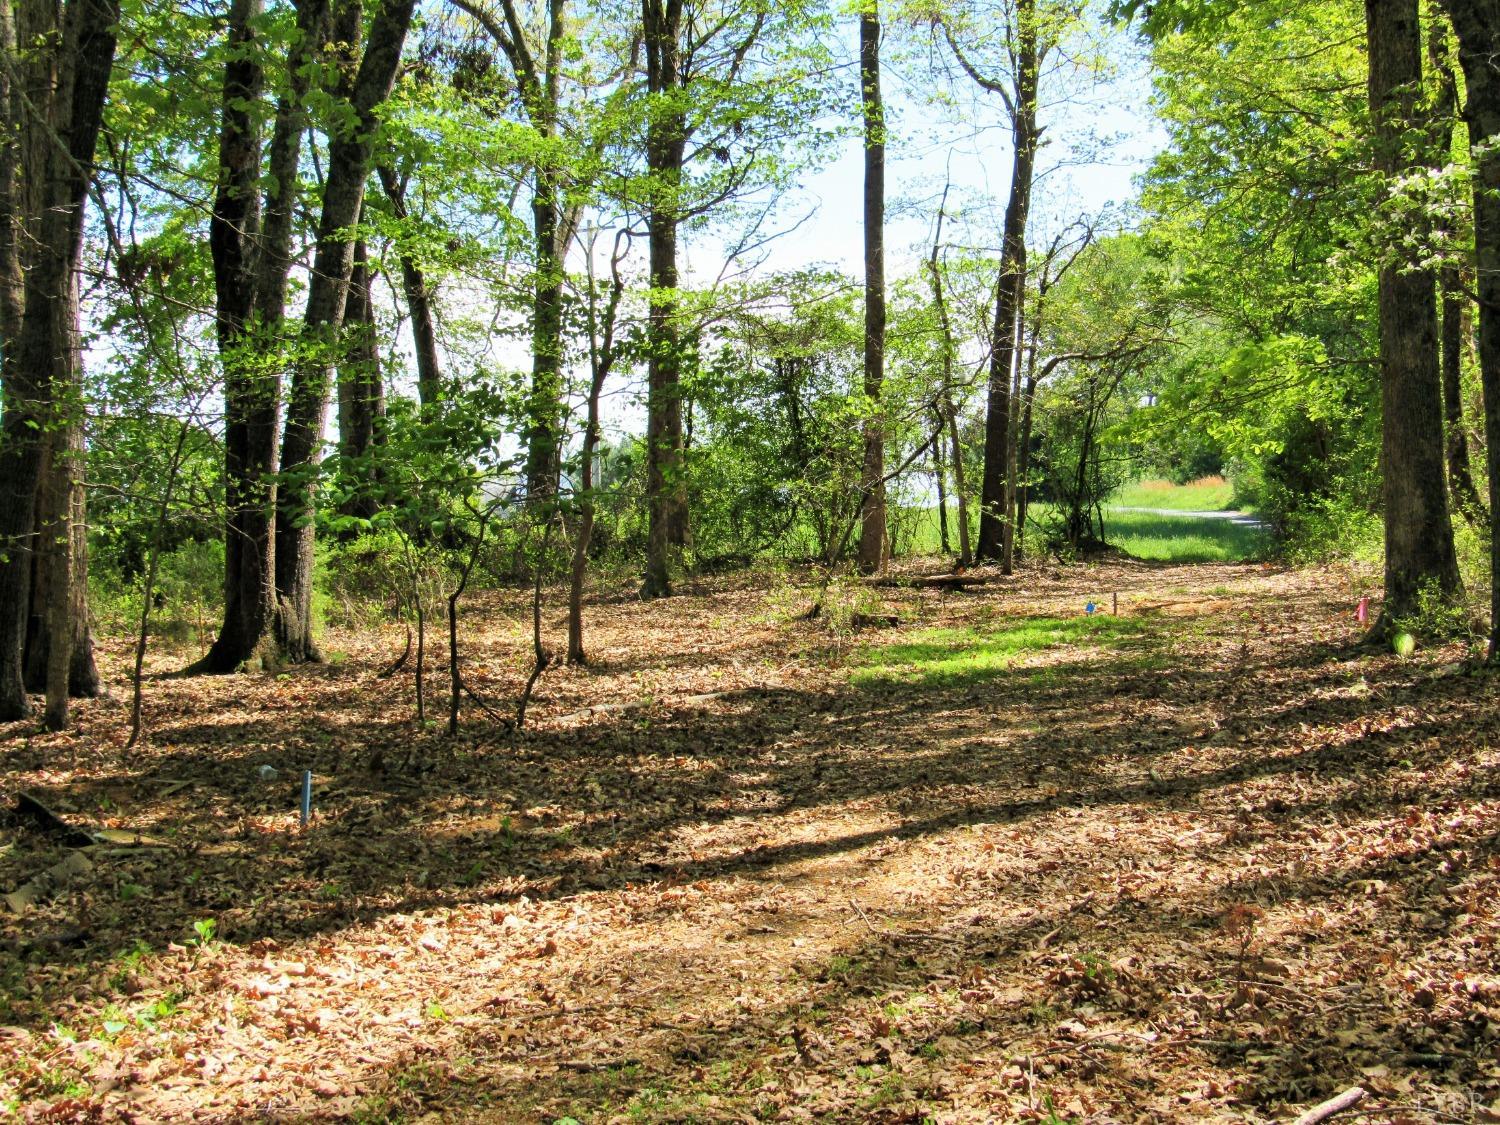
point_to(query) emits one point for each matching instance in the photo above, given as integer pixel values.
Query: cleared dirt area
(1202, 860)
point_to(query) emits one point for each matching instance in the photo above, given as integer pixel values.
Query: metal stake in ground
(306, 797)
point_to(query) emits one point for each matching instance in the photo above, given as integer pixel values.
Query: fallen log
(1324, 1110)
(928, 581)
(32, 807)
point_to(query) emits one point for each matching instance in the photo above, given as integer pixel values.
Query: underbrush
(186, 602)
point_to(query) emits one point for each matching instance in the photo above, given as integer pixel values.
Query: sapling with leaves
(438, 482)
(604, 349)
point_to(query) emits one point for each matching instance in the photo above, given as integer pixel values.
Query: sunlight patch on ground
(954, 657)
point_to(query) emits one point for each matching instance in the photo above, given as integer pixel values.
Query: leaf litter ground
(1207, 860)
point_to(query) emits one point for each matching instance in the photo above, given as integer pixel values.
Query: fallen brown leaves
(1223, 871)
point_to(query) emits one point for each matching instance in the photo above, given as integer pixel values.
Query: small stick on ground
(1324, 1110)
(865, 919)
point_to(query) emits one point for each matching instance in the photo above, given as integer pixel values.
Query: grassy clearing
(962, 656)
(1207, 494)
(1182, 539)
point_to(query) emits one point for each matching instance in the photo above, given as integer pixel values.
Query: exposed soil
(1222, 867)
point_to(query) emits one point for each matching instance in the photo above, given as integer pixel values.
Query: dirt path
(1199, 863)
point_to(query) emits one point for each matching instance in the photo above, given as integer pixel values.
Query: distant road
(1243, 519)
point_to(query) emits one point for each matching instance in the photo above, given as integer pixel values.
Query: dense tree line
(465, 224)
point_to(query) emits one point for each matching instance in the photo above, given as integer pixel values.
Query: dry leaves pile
(1221, 869)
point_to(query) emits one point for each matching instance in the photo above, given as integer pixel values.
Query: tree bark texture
(666, 143)
(350, 160)
(252, 254)
(361, 389)
(418, 300)
(1461, 487)
(872, 513)
(1453, 326)
(1418, 532)
(64, 70)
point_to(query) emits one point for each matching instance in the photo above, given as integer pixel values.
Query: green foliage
(775, 460)
(1331, 527)
(1260, 210)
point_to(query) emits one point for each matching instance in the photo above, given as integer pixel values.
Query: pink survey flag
(1362, 611)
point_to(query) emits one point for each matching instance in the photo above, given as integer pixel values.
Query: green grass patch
(1207, 494)
(1183, 539)
(957, 657)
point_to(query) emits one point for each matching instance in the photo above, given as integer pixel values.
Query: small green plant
(1043, 1013)
(1096, 967)
(205, 928)
(165, 1008)
(128, 891)
(436, 1011)
(1053, 1117)
(840, 965)
(127, 963)
(1436, 615)
(112, 1022)
(891, 1088)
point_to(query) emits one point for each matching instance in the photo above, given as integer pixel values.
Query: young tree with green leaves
(727, 86)
(251, 237)
(536, 65)
(1028, 36)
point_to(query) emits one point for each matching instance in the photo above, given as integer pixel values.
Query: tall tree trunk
(666, 143)
(1454, 304)
(1464, 494)
(1418, 532)
(1477, 23)
(252, 254)
(872, 514)
(59, 589)
(1013, 441)
(939, 476)
(361, 389)
(537, 83)
(601, 361)
(946, 406)
(1023, 453)
(418, 301)
(544, 408)
(67, 82)
(350, 156)
(995, 528)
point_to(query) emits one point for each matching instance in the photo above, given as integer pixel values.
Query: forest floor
(1202, 860)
